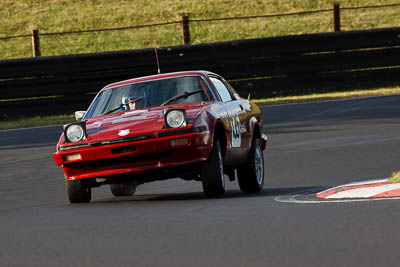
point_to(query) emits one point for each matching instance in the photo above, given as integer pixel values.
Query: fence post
(35, 43)
(185, 28)
(336, 17)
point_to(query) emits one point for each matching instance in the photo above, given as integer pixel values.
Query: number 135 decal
(236, 137)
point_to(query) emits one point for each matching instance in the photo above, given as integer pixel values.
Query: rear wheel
(212, 173)
(251, 174)
(123, 190)
(78, 191)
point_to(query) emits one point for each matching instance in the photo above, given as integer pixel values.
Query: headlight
(175, 118)
(75, 132)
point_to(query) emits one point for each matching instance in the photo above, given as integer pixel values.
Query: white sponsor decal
(243, 128)
(124, 132)
(130, 119)
(236, 136)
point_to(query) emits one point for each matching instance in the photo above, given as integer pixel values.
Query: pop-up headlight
(175, 118)
(75, 132)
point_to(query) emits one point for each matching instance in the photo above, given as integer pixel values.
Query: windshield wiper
(184, 95)
(113, 109)
(123, 104)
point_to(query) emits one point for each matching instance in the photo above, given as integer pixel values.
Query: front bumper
(134, 156)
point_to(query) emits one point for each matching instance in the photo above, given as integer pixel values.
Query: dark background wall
(263, 67)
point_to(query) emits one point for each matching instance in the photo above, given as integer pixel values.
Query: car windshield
(153, 93)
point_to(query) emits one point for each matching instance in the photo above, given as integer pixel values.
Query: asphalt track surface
(171, 223)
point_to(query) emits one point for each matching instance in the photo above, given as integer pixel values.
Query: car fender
(213, 122)
(254, 124)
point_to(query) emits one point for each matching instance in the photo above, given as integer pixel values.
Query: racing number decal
(236, 136)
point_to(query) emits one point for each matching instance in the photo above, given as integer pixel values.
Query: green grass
(10, 123)
(30, 98)
(395, 177)
(327, 96)
(20, 16)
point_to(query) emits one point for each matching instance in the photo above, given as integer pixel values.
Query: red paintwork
(99, 161)
(196, 150)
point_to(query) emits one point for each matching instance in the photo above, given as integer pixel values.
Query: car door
(245, 114)
(236, 149)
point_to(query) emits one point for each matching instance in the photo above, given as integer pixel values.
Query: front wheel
(251, 174)
(212, 173)
(78, 191)
(123, 190)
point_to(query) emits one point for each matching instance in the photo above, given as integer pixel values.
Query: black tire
(78, 191)
(251, 174)
(212, 173)
(123, 190)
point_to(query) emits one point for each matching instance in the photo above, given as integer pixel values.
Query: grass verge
(67, 118)
(395, 177)
(327, 96)
(36, 121)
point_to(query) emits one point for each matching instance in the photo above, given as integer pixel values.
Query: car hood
(133, 123)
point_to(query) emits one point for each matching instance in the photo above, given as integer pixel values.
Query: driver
(132, 105)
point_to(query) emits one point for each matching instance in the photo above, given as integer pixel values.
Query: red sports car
(191, 125)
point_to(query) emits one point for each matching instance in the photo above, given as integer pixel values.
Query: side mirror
(79, 115)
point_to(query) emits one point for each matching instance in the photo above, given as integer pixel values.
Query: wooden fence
(263, 67)
(186, 21)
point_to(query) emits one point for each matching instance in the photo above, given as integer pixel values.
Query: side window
(237, 96)
(222, 90)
